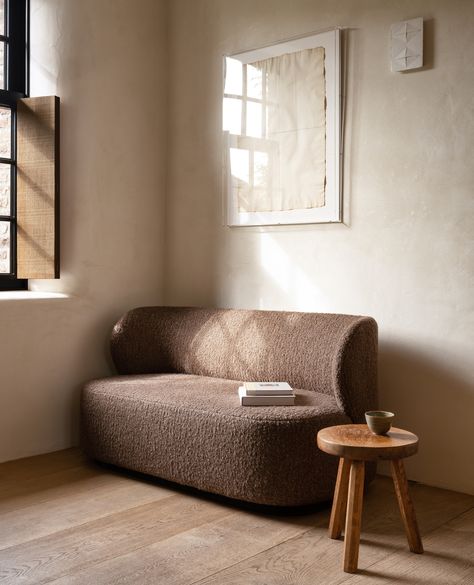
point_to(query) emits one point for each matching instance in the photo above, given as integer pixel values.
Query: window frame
(244, 98)
(331, 211)
(16, 81)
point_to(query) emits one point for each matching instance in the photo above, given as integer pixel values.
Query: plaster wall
(404, 253)
(107, 63)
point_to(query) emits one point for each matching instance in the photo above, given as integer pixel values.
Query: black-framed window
(14, 74)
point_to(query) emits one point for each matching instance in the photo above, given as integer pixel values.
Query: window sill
(29, 295)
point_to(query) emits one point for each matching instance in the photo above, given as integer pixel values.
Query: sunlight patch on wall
(295, 288)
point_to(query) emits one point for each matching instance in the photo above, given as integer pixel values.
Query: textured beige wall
(405, 251)
(107, 62)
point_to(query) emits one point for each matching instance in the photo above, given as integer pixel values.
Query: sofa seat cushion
(191, 430)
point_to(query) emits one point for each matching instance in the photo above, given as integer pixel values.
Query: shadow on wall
(94, 350)
(436, 402)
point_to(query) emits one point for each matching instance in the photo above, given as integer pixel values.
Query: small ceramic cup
(379, 421)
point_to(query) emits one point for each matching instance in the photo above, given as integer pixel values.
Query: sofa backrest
(332, 354)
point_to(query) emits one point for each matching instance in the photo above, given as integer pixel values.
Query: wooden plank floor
(67, 521)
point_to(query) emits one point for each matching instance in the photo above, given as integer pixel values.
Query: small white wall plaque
(406, 47)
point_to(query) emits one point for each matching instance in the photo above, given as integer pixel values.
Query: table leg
(353, 516)
(340, 499)
(407, 509)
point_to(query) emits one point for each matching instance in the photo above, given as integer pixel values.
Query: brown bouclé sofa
(173, 410)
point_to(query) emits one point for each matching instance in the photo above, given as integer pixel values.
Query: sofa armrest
(136, 343)
(355, 381)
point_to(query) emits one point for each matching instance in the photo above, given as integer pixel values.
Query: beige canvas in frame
(281, 133)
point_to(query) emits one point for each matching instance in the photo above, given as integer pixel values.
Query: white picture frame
(331, 210)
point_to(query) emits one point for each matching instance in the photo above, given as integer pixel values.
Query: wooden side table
(356, 444)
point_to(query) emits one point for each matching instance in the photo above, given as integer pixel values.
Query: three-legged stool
(356, 444)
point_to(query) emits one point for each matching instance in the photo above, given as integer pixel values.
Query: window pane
(254, 82)
(254, 119)
(4, 247)
(233, 76)
(232, 115)
(239, 165)
(2, 17)
(5, 186)
(261, 169)
(2, 65)
(5, 132)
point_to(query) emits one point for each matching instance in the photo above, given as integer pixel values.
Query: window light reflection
(233, 76)
(254, 120)
(254, 82)
(239, 164)
(260, 176)
(232, 115)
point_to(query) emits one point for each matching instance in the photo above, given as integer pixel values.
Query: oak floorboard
(75, 484)
(38, 466)
(72, 504)
(314, 559)
(45, 559)
(67, 521)
(448, 559)
(198, 552)
(18, 495)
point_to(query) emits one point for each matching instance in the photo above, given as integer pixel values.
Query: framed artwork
(281, 131)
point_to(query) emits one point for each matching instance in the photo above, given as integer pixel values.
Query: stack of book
(266, 394)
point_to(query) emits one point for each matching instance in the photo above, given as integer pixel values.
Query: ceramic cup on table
(379, 421)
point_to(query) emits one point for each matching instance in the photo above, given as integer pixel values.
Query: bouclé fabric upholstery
(173, 410)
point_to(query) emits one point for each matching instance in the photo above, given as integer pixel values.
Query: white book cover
(246, 400)
(268, 388)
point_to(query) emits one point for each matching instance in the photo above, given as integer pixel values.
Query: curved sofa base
(191, 430)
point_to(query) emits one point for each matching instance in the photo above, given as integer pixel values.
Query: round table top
(358, 442)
